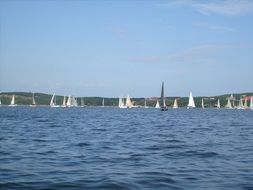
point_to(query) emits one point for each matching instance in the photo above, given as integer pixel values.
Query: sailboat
(202, 104)
(163, 107)
(191, 103)
(64, 102)
(157, 104)
(251, 102)
(103, 102)
(13, 101)
(33, 101)
(175, 105)
(228, 105)
(53, 101)
(121, 103)
(218, 104)
(129, 103)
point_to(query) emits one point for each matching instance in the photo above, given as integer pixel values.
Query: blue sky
(115, 48)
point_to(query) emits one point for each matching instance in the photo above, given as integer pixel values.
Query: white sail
(13, 101)
(251, 102)
(157, 104)
(33, 103)
(0, 102)
(229, 106)
(103, 102)
(121, 103)
(240, 106)
(52, 104)
(218, 104)
(191, 103)
(129, 103)
(69, 101)
(175, 105)
(202, 103)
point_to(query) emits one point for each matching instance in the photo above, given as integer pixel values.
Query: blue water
(109, 148)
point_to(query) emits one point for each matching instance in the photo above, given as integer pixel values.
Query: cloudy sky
(114, 48)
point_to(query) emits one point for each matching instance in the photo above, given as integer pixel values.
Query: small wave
(83, 144)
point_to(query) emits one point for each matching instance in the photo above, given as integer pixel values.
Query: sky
(112, 48)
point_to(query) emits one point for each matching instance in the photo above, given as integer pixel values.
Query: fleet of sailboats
(71, 101)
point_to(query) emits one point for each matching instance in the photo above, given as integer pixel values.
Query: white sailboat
(202, 104)
(251, 102)
(191, 103)
(157, 104)
(33, 101)
(218, 104)
(0, 102)
(228, 105)
(72, 102)
(13, 101)
(121, 103)
(103, 102)
(129, 103)
(175, 105)
(53, 102)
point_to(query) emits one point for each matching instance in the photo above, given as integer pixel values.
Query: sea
(110, 148)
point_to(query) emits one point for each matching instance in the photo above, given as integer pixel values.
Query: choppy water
(109, 148)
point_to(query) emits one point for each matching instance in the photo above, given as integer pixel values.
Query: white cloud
(222, 7)
(227, 7)
(216, 27)
(198, 54)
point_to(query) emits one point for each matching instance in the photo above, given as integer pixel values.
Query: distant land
(25, 98)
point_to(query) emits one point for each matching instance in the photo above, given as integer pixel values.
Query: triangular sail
(202, 103)
(69, 101)
(157, 104)
(52, 101)
(145, 103)
(191, 103)
(229, 106)
(175, 105)
(13, 100)
(163, 104)
(129, 103)
(218, 104)
(103, 102)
